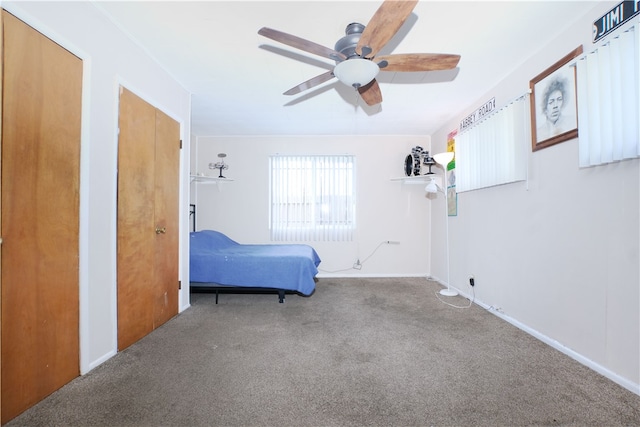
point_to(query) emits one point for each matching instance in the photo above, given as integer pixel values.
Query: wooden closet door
(41, 110)
(136, 223)
(148, 163)
(167, 163)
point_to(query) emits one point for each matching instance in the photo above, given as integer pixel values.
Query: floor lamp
(443, 159)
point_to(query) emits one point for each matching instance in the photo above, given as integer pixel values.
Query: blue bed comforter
(215, 258)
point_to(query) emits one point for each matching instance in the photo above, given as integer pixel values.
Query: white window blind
(493, 152)
(608, 102)
(312, 198)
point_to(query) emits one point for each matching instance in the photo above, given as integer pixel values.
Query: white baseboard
(362, 275)
(624, 382)
(99, 361)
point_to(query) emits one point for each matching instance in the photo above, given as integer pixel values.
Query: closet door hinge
(179, 284)
(181, 144)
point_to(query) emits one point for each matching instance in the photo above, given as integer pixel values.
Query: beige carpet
(359, 352)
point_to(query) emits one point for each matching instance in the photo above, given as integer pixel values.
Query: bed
(221, 265)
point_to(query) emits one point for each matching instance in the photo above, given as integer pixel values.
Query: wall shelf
(420, 179)
(208, 179)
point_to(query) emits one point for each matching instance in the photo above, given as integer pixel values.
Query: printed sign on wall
(614, 18)
(450, 176)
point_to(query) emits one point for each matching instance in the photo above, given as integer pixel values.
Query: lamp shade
(431, 187)
(443, 159)
(356, 72)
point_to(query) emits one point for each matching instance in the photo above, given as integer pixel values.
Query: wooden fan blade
(301, 44)
(310, 83)
(371, 93)
(383, 25)
(418, 61)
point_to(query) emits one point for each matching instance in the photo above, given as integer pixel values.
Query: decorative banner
(617, 16)
(450, 177)
(485, 109)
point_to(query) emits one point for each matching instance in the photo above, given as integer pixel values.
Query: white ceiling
(237, 77)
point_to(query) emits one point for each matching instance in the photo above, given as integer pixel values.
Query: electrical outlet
(472, 281)
(357, 265)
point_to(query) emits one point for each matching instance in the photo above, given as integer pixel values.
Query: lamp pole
(447, 292)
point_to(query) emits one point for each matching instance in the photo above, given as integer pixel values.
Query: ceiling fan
(355, 54)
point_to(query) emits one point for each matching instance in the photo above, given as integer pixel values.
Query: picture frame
(554, 106)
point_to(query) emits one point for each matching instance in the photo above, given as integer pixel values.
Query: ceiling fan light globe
(356, 72)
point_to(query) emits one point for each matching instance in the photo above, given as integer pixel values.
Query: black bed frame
(221, 289)
(192, 216)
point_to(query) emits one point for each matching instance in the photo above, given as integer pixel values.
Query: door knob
(161, 230)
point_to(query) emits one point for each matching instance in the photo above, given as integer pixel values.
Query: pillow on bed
(210, 240)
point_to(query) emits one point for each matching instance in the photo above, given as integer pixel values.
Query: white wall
(386, 210)
(110, 59)
(558, 256)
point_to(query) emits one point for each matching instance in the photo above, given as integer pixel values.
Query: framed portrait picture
(554, 107)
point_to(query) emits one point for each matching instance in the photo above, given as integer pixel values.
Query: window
(608, 102)
(493, 152)
(312, 198)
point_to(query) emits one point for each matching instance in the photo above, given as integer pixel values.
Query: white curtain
(493, 152)
(312, 198)
(608, 102)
